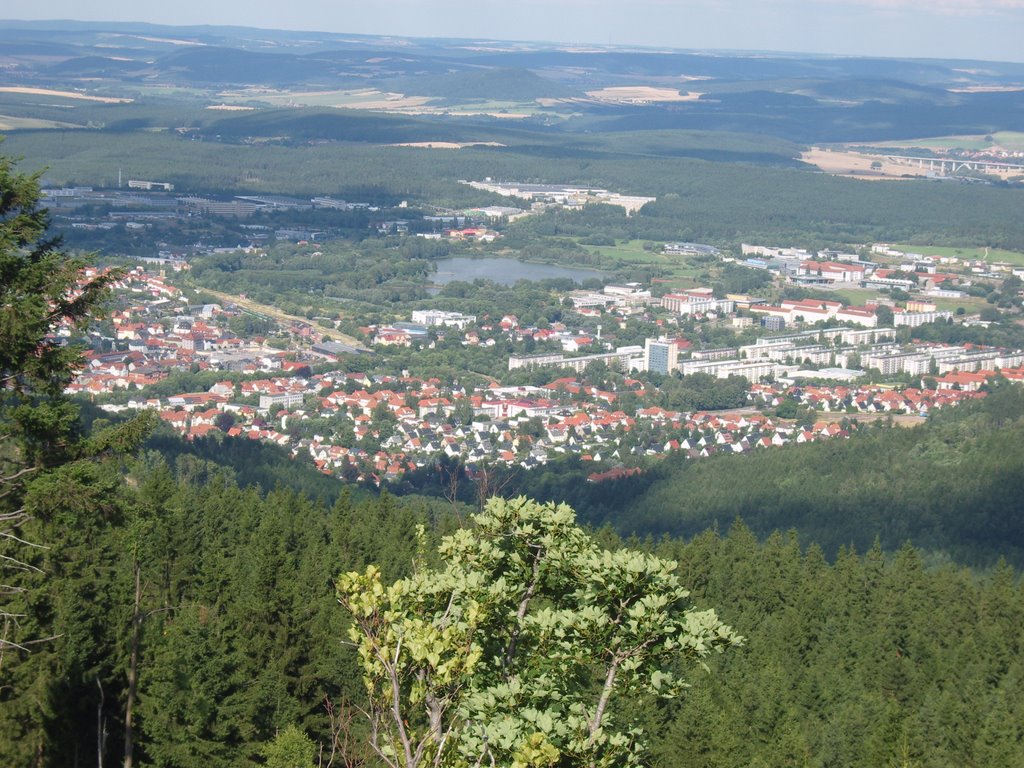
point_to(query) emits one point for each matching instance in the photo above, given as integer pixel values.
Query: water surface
(506, 271)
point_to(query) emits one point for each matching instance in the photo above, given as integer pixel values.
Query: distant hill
(807, 120)
(99, 66)
(799, 98)
(229, 66)
(887, 90)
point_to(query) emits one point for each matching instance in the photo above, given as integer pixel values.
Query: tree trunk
(133, 667)
(606, 693)
(101, 728)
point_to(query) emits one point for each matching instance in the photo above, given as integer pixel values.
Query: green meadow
(990, 255)
(632, 253)
(1009, 140)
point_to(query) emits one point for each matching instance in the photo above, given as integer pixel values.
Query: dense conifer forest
(868, 658)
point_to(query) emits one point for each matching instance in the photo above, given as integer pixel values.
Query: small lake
(506, 271)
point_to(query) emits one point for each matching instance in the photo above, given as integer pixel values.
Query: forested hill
(953, 485)
(870, 661)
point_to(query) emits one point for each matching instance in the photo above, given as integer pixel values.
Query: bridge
(947, 166)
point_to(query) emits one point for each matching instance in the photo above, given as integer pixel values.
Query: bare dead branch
(343, 742)
(15, 517)
(7, 535)
(15, 476)
(42, 640)
(18, 565)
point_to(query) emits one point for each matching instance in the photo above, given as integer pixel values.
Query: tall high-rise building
(661, 355)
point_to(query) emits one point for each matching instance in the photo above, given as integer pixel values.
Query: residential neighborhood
(375, 427)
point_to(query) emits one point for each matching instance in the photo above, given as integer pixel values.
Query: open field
(906, 420)
(379, 101)
(62, 94)
(990, 255)
(171, 91)
(362, 98)
(858, 165)
(859, 296)
(170, 40)
(971, 304)
(627, 251)
(899, 419)
(640, 94)
(512, 109)
(856, 296)
(1012, 141)
(8, 123)
(448, 144)
(632, 253)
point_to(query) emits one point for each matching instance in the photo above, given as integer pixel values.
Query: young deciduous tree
(513, 650)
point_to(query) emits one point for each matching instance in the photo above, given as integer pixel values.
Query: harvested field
(8, 123)
(362, 98)
(638, 94)
(1010, 141)
(389, 101)
(448, 144)
(858, 165)
(987, 89)
(62, 94)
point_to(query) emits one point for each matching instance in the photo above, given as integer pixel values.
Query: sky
(956, 29)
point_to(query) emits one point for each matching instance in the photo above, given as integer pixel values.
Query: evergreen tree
(54, 503)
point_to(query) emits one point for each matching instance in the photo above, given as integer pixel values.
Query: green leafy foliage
(510, 650)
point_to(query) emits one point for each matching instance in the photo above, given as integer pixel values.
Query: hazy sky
(983, 29)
